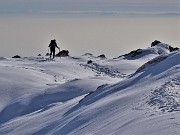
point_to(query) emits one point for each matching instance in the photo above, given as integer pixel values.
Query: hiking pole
(59, 53)
(49, 54)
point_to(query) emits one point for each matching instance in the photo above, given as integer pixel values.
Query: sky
(91, 5)
(94, 26)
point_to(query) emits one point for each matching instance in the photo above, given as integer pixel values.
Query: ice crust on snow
(127, 95)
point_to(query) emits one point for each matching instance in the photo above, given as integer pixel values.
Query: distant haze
(95, 26)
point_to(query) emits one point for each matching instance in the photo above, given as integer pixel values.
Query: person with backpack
(53, 46)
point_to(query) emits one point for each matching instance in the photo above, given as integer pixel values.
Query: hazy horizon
(98, 27)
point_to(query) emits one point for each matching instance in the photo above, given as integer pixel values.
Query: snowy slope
(126, 95)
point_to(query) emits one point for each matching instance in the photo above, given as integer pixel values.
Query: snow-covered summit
(163, 45)
(164, 51)
(156, 48)
(162, 48)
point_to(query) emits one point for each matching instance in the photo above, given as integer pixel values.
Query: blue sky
(142, 6)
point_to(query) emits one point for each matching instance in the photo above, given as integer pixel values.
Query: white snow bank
(160, 63)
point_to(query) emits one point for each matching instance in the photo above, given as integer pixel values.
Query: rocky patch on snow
(63, 53)
(16, 56)
(158, 43)
(102, 56)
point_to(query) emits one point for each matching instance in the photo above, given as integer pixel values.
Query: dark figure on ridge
(53, 46)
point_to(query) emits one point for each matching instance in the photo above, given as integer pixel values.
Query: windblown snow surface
(137, 95)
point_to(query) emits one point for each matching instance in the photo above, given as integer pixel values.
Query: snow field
(126, 95)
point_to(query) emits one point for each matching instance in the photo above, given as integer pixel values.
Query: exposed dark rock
(47, 54)
(171, 49)
(39, 55)
(155, 43)
(16, 56)
(134, 53)
(89, 61)
(102, 56)
(63, 53)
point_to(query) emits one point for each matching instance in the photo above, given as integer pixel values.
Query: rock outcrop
(63, 53)
(102, 56)
(16, 56)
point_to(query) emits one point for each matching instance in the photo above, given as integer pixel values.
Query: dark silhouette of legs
(52, 52)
